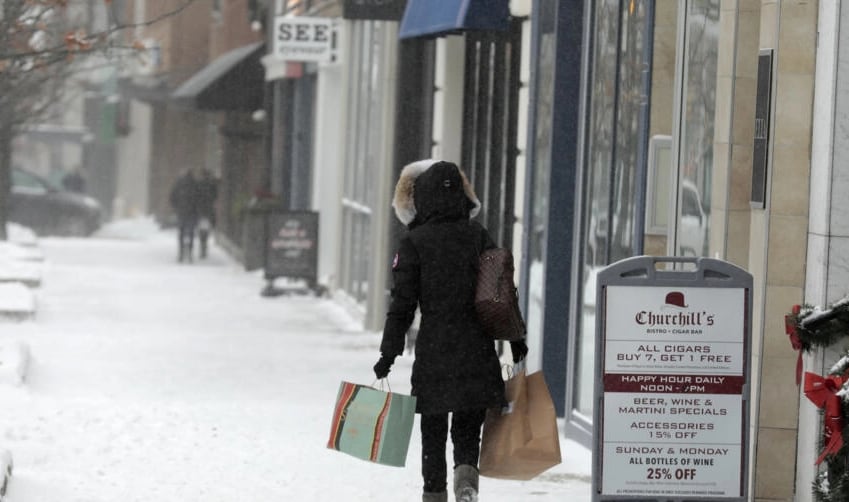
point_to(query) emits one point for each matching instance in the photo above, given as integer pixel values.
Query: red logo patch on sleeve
(395, 261)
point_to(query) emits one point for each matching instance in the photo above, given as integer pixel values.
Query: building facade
(592, 130)
(194, 92)
(643, 134)
(701, 127)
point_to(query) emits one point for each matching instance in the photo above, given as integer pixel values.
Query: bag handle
(511, 370)
(382, 381)
(519, 367)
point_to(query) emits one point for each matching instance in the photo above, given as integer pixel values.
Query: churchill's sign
(309, 39)
(673, 381)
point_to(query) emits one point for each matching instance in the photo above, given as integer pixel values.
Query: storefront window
(542, 155)
(615, 162)
(695, 164)
(364, 122)
(632, 104)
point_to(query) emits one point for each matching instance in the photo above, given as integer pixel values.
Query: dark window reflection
(542, 163)
(615, 144)
(699, 106)
(362, 149)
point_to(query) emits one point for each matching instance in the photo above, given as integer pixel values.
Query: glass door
(615, 166)
(691, 226)
(648, 158)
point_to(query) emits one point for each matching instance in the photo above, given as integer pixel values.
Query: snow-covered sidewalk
(150, 380)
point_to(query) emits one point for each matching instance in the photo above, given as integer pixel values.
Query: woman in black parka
(456, 368)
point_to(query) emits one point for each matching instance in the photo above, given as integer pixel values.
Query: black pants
(465, 436)
(185, 238)
(203, 237)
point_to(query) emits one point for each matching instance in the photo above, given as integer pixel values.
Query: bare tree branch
(44, 45)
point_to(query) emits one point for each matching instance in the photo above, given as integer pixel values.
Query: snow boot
(466, 483)
(435, 497)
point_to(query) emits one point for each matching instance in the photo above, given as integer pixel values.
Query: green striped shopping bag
(372, 424)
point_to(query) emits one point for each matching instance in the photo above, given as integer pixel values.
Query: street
(152, 380)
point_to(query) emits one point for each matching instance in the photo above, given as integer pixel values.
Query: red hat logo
(675, 298)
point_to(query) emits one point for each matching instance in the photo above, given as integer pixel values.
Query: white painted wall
(383, 211)
(520, 8)
(133, 164)
(448, 99)
(522, 142)
(328, 164)
(826, 274)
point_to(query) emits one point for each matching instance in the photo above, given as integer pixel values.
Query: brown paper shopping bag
(521, 441)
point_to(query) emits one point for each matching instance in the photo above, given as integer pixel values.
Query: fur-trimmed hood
(428, 188)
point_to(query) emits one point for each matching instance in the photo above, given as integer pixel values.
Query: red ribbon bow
(793, 333)
(822, 391)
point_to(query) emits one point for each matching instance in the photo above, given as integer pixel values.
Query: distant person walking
(184, 201)
(74, 181)
(206, 195)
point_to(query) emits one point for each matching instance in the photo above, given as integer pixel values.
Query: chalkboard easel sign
(291, 249)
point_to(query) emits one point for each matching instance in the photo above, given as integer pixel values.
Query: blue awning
(432, 18)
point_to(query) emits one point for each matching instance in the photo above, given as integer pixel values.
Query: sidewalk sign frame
(675, 379)
(291, 250)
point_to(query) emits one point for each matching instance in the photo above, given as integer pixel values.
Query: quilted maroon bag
(496, 298)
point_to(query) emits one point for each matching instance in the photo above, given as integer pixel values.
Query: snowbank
(14, 251)
(21, 235)
(27, 272)
(16, 300)
(14, 361)
(21, 260)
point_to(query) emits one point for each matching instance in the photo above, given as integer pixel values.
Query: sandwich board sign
(672, 395)
(291, 249)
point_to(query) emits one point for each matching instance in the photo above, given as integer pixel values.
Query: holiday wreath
(810, 327)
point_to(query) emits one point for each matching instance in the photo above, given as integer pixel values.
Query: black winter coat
(456, 366)
(207, 192)
(184, 199)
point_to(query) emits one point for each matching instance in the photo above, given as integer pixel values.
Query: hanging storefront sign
(673, 370)
(375, 10)
(299, 38)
